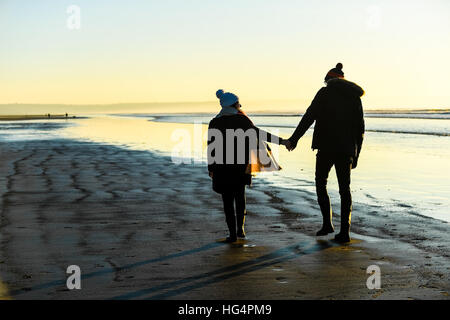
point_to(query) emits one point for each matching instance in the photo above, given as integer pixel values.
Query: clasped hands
(288, 143)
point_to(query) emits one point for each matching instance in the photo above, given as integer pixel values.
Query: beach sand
(141, 227)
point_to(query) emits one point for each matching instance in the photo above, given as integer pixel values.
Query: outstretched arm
(266, 136)
(307, 120)
(269, 137)
(304, 124)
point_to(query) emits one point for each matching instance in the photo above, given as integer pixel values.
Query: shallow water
(398, 172)
(434, 124)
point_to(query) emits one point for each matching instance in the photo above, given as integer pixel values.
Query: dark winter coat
(338, 113)
(230, 176)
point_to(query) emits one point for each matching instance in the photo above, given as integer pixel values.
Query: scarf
(228, 111)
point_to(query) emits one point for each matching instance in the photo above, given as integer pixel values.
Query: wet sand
(141, 227)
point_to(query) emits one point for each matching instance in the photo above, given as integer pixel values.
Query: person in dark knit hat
(338, 135)
(335, 72)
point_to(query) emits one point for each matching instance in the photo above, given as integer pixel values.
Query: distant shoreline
(251, 107)
(36, 117)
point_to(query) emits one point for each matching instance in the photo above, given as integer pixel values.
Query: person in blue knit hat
(231, 178)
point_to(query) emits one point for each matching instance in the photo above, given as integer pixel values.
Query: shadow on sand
(112, 270)
(276, 257)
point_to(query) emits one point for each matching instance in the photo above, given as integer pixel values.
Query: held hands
(289, 144)
(354, 162)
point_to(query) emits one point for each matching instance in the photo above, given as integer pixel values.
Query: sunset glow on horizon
(166, 51)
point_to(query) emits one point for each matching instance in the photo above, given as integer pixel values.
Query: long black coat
(338, 113)
(228, 176)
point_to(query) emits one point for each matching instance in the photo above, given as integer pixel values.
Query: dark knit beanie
(335, 72)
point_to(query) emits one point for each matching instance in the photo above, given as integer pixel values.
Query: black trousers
(342, 164)
(234, 217)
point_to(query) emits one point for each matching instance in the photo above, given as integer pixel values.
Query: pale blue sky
(144, 51)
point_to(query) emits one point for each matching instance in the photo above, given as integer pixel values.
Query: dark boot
(240, 226)
(327, 225)
(324, 163)
(240, 211)
(230, 218)
(325, 230)
(231, 223)
(344, 235)
(343, 171)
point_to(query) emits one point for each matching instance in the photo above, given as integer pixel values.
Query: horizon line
(207, 102)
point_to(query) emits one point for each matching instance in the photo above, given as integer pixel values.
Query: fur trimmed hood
(345, 85)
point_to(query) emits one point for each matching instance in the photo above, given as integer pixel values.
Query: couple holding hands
(338, 135)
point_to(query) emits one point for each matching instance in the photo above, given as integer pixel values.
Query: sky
(267, 52)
